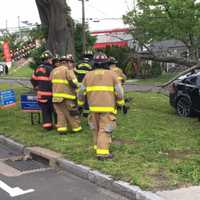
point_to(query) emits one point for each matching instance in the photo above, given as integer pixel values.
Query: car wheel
(183, 106)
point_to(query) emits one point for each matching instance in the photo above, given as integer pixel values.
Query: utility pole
(83, 26)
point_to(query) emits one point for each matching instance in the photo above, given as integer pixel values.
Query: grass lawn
(20, 71)
(158, 80)
(153, 147)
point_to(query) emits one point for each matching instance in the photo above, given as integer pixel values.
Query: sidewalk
(123, 188)
(190, 193)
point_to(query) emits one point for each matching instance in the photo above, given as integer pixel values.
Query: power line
(127, 5)
(100, 11)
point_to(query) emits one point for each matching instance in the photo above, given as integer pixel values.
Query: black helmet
(56, 59)
(88, 55)
(100, 60)
(46, 55)
(85, 59)
(66, 58)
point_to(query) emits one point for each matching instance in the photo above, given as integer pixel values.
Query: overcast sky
(13, 10)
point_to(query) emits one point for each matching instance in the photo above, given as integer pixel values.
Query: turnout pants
(47, 112)
(102, 125)
(67, 116)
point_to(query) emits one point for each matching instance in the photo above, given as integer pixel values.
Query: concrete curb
(105, 181)
(12, 144)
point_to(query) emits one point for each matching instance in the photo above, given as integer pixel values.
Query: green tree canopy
(156, 20)
(79, 40)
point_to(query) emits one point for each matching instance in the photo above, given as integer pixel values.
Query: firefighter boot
(105, 157)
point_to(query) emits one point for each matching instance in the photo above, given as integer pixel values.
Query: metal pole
(83, 26)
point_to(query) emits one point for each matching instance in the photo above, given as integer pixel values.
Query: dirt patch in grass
(178, 154)
(160, 179)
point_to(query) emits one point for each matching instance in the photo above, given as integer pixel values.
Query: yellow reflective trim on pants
(80, 103)
(119, 78)
(64, 95)
(102, 151)
(120, 102)
(100, 88)
(60, 81)
(62, 129)
(77, 129)
(103, 109)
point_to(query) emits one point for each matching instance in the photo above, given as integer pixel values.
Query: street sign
(13, 192)
(7, 98)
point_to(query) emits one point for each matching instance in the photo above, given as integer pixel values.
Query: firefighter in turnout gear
(80, 72)
(64, 85)
(121, 77)
(113, 66)
(82, 68)
(42, 84)
(104, 93)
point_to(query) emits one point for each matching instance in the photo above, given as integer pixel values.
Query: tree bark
(59, 24)
(197, 66)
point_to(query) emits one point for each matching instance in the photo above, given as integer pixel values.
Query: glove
(125, 109)
(119, 107)
(80, 108)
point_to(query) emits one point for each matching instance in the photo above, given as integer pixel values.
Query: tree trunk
(54, 17)
(197, 66)
(180, 61)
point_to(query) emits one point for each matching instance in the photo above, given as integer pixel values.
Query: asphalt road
(45, 184)
(128, 87)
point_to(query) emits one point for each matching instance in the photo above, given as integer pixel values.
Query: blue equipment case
(7, 98)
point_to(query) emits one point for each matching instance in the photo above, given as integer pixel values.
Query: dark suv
(184, 94)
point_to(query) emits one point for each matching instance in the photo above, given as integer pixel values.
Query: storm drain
(8, 152)
(30, 164)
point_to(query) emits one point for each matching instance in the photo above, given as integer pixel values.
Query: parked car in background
(184, 94)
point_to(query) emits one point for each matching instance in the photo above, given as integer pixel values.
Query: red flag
(6, 51)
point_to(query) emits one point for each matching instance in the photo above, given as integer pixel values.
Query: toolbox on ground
(29, 104)
(7, 98)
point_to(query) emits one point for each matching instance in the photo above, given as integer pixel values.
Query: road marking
(13, 192)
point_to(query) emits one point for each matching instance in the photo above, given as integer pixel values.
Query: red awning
(105, 44)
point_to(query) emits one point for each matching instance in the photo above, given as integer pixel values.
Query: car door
(196, 94)
(192, 88)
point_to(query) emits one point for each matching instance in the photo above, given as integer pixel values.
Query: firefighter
(121, 77)
(113, 66)
(64, 96)
(80, 72)
(42, 84)
(104, 92)
(82, 69)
